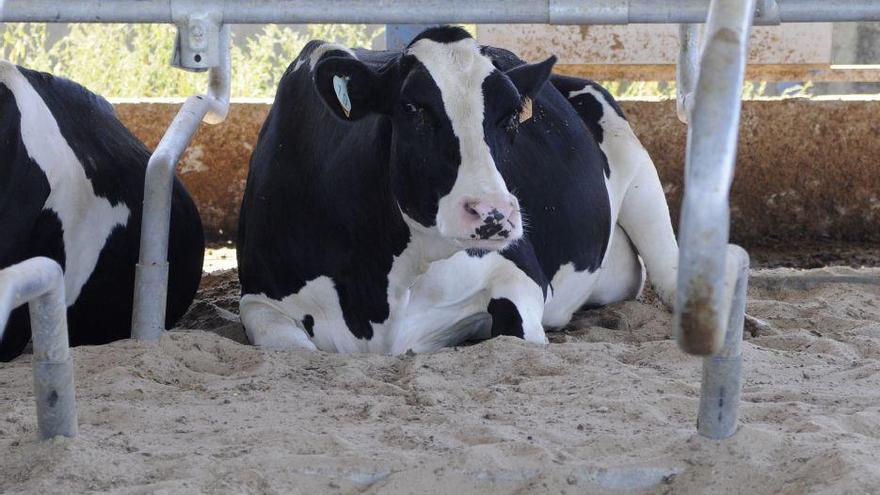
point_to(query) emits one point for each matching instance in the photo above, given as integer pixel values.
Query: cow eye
(422, 116)
(411, 108)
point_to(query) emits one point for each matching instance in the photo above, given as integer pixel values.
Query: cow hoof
(284, 342)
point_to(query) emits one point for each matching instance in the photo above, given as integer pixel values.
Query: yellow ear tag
(526, 112)
(340, 85)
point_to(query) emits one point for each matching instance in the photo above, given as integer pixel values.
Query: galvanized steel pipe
(702, 302)
(722, 371)
(39, 282)
(686, 69)
(423, 11)
(151, 272)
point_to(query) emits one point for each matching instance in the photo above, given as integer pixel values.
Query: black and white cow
(71, 188)
(396, 196)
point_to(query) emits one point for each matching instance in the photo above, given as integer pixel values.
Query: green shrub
(122, 60)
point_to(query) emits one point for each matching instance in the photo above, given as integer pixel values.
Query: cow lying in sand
(71, 188)
(395, 198)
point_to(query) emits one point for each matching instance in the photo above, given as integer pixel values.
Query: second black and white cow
(394, 197)
(71, 189)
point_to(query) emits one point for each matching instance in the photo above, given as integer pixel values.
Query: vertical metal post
(687, 69)
(40, 282)
(151, 272)
(398, 36)
(702, 302)
(722, 371)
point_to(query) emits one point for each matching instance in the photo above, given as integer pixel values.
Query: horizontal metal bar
(420, 11)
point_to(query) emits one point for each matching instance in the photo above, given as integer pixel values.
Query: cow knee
(516, 304)
(280, 337)
(506, 319)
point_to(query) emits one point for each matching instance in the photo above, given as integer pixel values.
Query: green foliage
(25, 44)
(258, 66)
(636, 89)
(132, 60)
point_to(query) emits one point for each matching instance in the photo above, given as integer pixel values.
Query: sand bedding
(608, 406)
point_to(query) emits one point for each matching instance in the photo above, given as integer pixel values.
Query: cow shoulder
(24, 187)
(558, 170)
(590, 100)
(317, 202)
(55, 118)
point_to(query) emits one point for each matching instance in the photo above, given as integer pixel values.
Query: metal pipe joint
(702, 300)
(39, 282)
(151, 272)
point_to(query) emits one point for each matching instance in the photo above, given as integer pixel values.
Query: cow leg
(638, 203)
(644, 215)
(622, 274)
(448, 304)
(268, 327)
(516, 304)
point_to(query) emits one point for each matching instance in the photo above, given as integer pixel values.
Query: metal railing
(429, 11)
(722, 370)
(702, 300)
(151, 274)
(39, 282)
(709, 304)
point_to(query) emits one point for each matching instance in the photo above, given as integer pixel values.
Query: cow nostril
(469, 208)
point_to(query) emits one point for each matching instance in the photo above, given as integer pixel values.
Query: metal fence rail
(709, 306)
(702, 301)
(151, 275)
(40, 282)
(429, 11)
(722, 371)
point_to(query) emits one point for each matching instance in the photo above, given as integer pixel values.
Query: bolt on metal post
(151, 272)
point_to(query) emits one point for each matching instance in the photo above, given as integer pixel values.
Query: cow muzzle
(490, 221)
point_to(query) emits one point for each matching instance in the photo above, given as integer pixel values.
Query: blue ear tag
(340, 85)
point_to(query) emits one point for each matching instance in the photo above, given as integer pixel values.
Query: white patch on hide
(87, 219)
(459, 70)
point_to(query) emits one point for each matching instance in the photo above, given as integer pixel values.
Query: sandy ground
(608, 406)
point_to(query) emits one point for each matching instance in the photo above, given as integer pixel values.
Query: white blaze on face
(459, 70)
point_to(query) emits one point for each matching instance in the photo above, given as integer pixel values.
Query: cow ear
(350, 89)
(530, 78)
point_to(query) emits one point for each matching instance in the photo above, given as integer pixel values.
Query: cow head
(454, 119)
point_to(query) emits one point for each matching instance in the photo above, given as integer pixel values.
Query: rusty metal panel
(651, 44)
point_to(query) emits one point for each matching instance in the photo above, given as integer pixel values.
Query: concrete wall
(807, 169)
(651, 43)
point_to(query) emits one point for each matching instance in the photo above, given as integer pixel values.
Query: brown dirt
(815, 254)
(806, 169)
(607, 407)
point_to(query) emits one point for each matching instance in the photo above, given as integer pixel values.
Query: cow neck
(425, 246)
